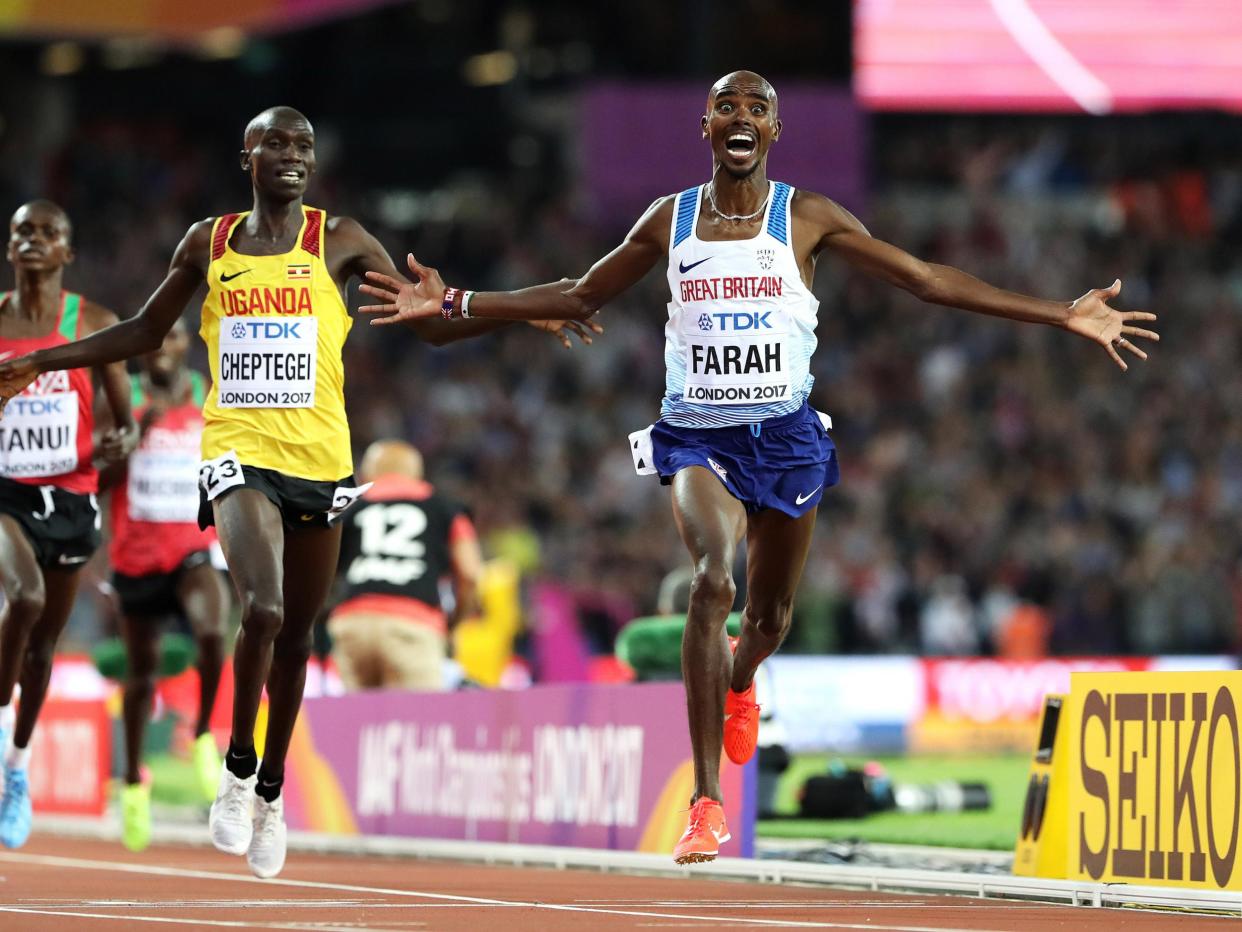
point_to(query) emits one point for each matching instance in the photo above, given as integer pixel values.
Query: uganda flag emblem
(298, 271)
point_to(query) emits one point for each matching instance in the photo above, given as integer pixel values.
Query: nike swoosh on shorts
(804, 498)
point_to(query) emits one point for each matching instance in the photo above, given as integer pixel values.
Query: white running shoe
(266, 856)
(229, 822)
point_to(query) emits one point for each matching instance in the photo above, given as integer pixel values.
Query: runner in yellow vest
(276, 453)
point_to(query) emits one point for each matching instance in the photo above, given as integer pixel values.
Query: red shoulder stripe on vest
(221, 239)
(310, 239)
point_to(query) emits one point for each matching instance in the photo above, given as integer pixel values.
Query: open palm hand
(1091, 317)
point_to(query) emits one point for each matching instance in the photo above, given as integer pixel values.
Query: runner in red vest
(49, 519)
(162, 565)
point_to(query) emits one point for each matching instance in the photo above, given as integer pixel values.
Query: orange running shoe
(704, 835)
(741, 727)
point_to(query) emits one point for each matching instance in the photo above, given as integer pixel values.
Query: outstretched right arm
(571, 299)
(141, 333)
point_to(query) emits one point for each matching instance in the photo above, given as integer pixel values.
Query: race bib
(736, 357)
(162, 485)
(267, 362)
(343, 497)
(39, 435)
(218, 475)
(642, 451)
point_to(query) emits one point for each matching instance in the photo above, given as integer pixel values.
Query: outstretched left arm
(366, 254)
(1089, 316)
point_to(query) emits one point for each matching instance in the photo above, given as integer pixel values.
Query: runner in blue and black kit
(743, 452)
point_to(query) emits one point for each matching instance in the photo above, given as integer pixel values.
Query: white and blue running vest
(741, 325)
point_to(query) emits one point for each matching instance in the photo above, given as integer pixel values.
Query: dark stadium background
(1002, 487)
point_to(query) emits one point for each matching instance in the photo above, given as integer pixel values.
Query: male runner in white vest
(744, 453)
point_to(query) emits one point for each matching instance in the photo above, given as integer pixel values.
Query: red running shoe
(704, 835)
(741, 727)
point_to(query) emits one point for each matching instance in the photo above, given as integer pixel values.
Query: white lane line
(66, 903)
(743, 904)
(798, 904)
(49, 860)
(219, 923)
(155, 905)
(1053, 58)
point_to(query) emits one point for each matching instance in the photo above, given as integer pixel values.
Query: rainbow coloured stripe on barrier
(168, 18)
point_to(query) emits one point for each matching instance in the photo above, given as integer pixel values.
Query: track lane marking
(17, 857)
(217, 923)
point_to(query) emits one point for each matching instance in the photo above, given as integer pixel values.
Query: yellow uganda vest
(274, 327)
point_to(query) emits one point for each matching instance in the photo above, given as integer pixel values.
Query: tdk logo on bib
(38, 406)
(267, 330)
(736, 322)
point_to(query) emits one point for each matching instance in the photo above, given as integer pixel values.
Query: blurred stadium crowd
(1005, 489)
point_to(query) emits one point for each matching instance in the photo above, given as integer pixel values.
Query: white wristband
(465, 304)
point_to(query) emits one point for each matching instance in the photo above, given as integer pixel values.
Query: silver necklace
(735, 218)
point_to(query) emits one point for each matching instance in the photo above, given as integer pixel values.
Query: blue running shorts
(783, 463)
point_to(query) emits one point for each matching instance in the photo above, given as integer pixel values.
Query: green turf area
(173, 781)
(1005, 775)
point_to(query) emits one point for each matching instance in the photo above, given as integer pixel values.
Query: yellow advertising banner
(1156, 778)
(1040, 850)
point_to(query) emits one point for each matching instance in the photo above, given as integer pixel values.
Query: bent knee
(262, 617)
(26, 600)
(294, 650)
(141, 667)
(713, 586)
(771, 617)
(40, 653)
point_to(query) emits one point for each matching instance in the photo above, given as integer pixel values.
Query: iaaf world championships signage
(587, 765)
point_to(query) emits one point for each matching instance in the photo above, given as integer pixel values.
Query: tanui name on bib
(39, 433)
(267, 362)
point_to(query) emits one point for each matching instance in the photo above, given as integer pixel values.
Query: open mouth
(291, 177)
(740, 145)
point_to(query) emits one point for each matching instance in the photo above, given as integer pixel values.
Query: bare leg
(253, 540)
(142, 653)
(711, 522)
(24, 598)
(205, 600)
(62, 588)
(776, 550)
(310, 565)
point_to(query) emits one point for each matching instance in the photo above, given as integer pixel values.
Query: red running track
(58, 883)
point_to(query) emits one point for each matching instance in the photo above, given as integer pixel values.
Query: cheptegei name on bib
(737, 357)
(267, 362)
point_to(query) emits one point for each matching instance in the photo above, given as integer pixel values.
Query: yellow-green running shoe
(207, 764)
(136, 816)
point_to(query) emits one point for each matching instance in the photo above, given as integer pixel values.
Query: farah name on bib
(39, 433)
(267, 362)
(736, 357)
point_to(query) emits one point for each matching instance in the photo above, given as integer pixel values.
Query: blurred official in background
(391, 627)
